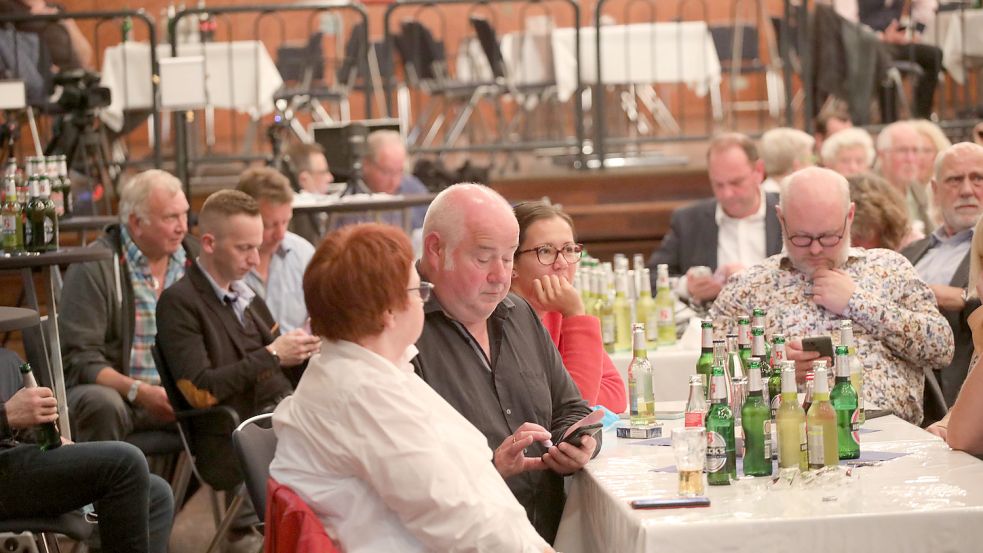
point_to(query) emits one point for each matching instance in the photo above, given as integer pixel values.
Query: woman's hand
(555, 293)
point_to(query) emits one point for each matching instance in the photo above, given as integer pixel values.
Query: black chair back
(489, 45)
(255, 445)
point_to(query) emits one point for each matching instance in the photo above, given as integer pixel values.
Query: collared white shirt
(944, 256)
(738, 241)
(388, 465)
(283, 290)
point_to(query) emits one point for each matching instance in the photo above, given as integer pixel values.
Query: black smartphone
(574, 438)
(671, 503)
(822, 344)
(876, 413)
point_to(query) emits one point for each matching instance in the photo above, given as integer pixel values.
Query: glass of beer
(689, 446)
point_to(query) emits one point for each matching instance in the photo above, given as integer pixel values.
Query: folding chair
(197, 427)
(255, 445)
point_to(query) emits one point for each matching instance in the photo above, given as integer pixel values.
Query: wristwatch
(272, 351)
(131, 395)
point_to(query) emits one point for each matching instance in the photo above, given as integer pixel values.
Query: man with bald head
(487, 353)
(819, 280)
(942, 259)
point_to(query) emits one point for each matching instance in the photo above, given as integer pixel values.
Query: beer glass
(689, 446)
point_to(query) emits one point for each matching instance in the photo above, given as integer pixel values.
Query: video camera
(80, 91)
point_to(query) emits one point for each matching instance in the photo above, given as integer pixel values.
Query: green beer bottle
(47, 433)
(756, 423)
(34, 215)
(704, 365)
(13, 222)
(856, 368)
(640, 393)
(721, 448)
(50, 223)
(791, 421)
(821, 422)
(758, 319)
(844, 400)
(744, 340)
(758, 351)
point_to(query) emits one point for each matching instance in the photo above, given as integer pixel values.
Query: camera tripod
(86, 148)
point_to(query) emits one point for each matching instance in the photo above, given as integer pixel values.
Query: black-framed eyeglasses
(547, 254)
(825, 240)
(424, 289)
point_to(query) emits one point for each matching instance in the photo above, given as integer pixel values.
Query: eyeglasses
(825, 240)
(424, 289)
(547, 254)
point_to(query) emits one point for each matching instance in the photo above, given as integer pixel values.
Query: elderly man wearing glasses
(819, 280)
(542, 273)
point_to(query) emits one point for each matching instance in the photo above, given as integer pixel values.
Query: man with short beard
(899, 147)
(819, 280)
(942, 258)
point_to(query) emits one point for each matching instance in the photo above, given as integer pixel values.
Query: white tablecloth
(640, 53)
(946, 32)
(239, 75)
(929, 500)
(671, 368)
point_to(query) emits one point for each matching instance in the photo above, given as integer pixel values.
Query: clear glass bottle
(640, 392)
(821, 430)
(696, 405)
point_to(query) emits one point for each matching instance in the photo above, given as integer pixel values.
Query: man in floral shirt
(819, 280)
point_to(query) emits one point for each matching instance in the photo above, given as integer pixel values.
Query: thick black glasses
(825, 240)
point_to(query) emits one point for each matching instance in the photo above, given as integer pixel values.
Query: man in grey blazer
(942, 258)
(737, 228)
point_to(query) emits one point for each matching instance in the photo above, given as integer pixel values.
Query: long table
(931, 499)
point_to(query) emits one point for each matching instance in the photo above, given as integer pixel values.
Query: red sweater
(578, 339)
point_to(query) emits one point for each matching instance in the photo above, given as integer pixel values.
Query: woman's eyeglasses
(423, 289)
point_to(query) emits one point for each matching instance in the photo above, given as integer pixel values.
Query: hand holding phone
(576, 437)
(820, 344)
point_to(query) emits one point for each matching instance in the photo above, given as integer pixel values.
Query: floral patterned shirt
(897, 328)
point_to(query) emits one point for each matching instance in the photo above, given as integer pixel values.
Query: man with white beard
(819, 280)
(942, 259)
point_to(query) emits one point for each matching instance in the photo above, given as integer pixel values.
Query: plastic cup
(689, 446)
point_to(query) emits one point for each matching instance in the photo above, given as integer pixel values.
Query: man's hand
(726, 271)
(949, 298)
(803, 359)
(703, 288)
(567, 458)
(894, 34)
(510, 458)
(555, 293)
(31, 407)
(295, 347)
(154, 400)
(832, 289)
(939, 429)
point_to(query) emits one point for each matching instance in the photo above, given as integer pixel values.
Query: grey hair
(848, 138)
(135, 194)
(961, 147)
(445, 215)
(885, 137)
(933, 132)
(782, 147)
(839, 181)
(378, 140)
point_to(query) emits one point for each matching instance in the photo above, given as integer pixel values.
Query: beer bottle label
(652, 327)
(855, 426)
(767, 444)
(49, 230)
(716, 452)
(607, 329)
(693, 419)
(803, 444)
(665, 315)
(816, 453)
(9, 224)
(776, 402)
(28, 242)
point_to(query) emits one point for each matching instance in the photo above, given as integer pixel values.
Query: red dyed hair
(357, 274)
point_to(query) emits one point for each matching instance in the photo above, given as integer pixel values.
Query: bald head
(816, 216)
(814, 185)
(470, 235)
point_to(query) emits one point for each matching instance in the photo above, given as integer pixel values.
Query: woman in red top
(542, 273)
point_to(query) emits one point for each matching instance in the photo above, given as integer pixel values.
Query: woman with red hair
(383, 461)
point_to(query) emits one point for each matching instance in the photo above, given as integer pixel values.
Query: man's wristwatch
(131, 395)
(272, 351)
